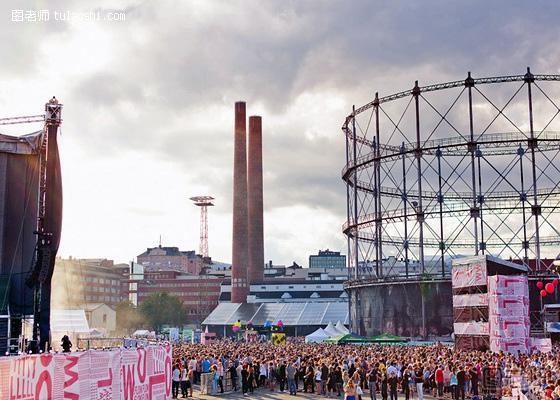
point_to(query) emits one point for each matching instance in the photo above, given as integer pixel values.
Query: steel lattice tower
(203, 202)
(459, 168)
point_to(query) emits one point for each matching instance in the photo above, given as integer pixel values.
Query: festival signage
(512, 345)
(278, 339)
(471, 328)
(508, 306)
(130, 374)
(506, 285)
(542, 345)
(469, 274)
(509, 327)
(470, 300)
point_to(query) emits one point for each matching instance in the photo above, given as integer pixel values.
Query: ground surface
(263, 394)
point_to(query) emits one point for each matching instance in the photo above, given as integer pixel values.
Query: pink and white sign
(503, 285)
(512, 346)
(468, 275)
(135, 374)
(543, 345)
(509, 327)
(471, 328)
(470, 300)
(508, 306)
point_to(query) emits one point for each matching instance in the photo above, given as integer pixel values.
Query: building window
(104, 318)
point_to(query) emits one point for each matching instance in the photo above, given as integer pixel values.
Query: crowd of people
(359, 372)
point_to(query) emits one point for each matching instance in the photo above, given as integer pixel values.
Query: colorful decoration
(549, 287)
(278, 339)
(540, 285)
(543, 293)
(267, 324)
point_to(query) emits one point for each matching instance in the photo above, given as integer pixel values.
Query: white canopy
(331, 330)
(341, 328)
(318, 336)
(69, 321)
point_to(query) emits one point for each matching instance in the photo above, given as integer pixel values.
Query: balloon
(549, 287)
(555, 281)
(543, 293)
(280, 324)
(236, 328)
(540, 285)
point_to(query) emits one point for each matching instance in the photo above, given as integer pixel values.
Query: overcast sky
(148, 103)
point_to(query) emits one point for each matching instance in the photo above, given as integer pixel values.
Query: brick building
(171, 258)
(81, 281)
(199, 293)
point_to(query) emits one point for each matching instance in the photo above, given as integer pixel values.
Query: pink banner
(470, 300)
(509, 327)
(503, 285)
(543, 345)
(135, 374)
(468, 275)
(512, 346)
(508, 306)
(471, 328)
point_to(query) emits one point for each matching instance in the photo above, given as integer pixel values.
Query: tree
(129, 317)
(162, 309)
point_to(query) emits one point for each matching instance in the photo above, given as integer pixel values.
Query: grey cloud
(173, 60)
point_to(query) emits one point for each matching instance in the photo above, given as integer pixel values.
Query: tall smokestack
(255, 201)
(240, 253)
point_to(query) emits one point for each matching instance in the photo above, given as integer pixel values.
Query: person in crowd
(350, 391)
(291, 371)
(175, 381)
(245, 380)
(66, 344)
(419, 380)
(392, 382)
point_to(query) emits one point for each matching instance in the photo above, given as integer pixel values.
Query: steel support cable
(396, 126)
(443, 117)
(507, 170)
(501, 111)
(498, 172)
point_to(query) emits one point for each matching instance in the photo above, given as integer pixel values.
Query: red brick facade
(199, 294)
(171, 258)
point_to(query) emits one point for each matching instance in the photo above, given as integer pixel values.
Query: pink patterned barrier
(130, 374)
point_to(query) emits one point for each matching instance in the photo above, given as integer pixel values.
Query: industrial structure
(203, 202)
(247, 240)
(468, 167)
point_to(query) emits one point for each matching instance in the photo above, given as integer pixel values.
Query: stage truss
(461, 168)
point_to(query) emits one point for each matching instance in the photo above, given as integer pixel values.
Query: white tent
(341, 328)
(331, 330)
(318, 336)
